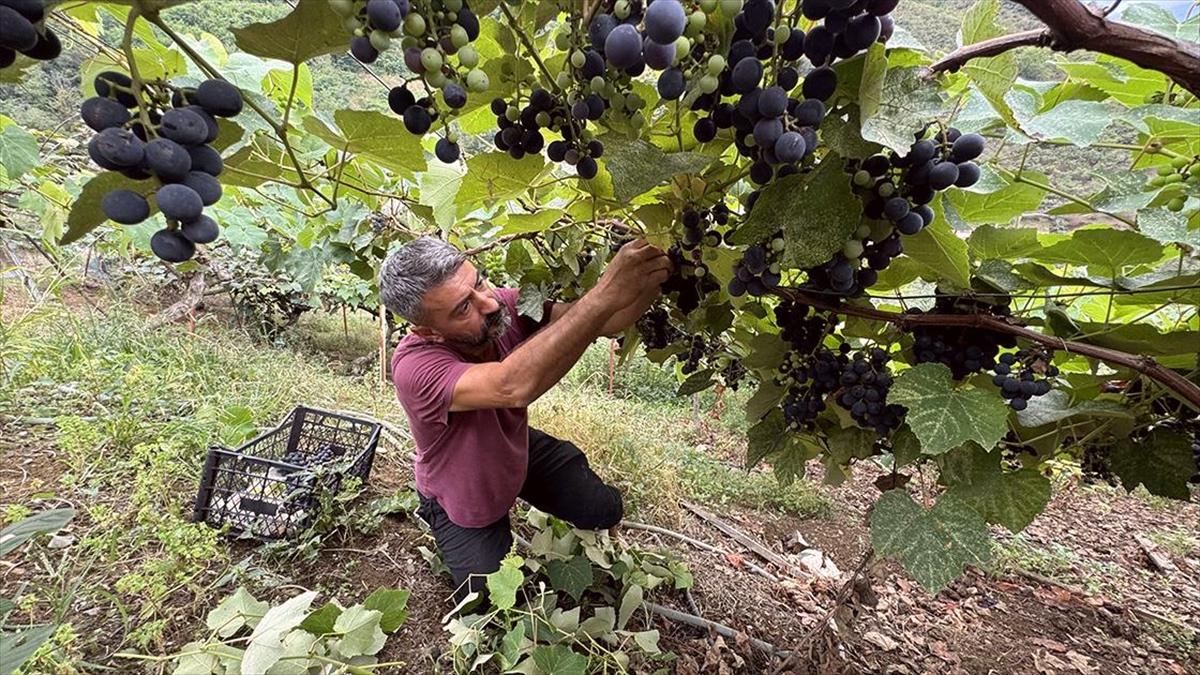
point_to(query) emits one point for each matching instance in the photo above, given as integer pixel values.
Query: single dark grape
(665, 21)
(103, 113)
(417, 120)
(205, 185)
(968, 175)
(818, 45)
(943, 175)
(671, 84)
(862, 32)
(790, 147)
(623, 47)
(210, 123)
(205, 158)
(16, 32)
(203, 230)
(454, 95)
(772, 102)
(446, 150)
(47, 47)
(120, 147)
(746, 75)
(587, 168)
(183, 126)
(810, 113)
(967, 148)
(172, 246)
(896, 208)
(793, 48)
(219, 98)
(658, 57)
(400, 98)
(179, 202)
(384, 14)
(704, 129)
(125, 206)
(168, 160)
(362, 49)
(470, 23)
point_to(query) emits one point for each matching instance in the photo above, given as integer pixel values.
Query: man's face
(464, 311)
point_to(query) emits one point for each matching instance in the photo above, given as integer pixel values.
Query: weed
(1177, 541)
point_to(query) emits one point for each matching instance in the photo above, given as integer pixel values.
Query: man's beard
(495, 325)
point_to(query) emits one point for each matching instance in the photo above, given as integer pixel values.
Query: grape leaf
(1159, 19)
(630, 602)
(990, 241)
(560, 660)
(637, 166)
(379, 138)
(312, 29)
(1167, 227)
(1009, 498)
(874, 73)
(831, 213)
(944, 416)
(940, 250)
(934, 545)
(906, 104)
(696, 383)
(235, 611)
(1056, 407)
(439, 188)
(503, 583)
(570, 576)
(1106, 249)
(994, 76)
(767, 396)
(85, 211)
(1162, 462)
(1080, 123)
(1006, 201)
(18, 150)
(266, 642)
(321, 621)
(360, 632)
(495, 176)
(906, 449)
(392, 603)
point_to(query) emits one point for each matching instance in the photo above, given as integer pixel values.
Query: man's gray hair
(412, 270)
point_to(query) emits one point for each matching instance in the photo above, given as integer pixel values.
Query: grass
(1056, 562)
(1176, 541)
(134, 410)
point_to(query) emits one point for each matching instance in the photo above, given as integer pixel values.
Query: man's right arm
(542, 360)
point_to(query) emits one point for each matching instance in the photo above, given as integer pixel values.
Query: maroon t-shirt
(473, 462)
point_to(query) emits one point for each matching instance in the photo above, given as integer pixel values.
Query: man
(467, 372)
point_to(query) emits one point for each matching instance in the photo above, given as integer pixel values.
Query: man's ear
(427, 333)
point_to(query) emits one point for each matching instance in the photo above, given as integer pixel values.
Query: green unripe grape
(468, 57)
(716, 63)
(380, 40)
(1157, 181)
(880, 230)
(778, 244)
(1195, 170)
(587, 135)
(512, 114)
(352, 24)
(621, 10)
(1172, 179)
(562, 40)
(782, 33)
(414, 25)
(683, 47)
(458, 36)
(708, 6)
(862, 178)
(436, 78)
(1180, 162)
(863, 232)
(439, 17)
(342, 7)
(853, 249)
(408, 40)
(431, 59)
(774, 268)
(1177, 204)
(563, 80)
(543, 118)
(696, 23)
(637, 120)
(1166, 170)
(700, 272)
(708, 84)
(750, 142)
(597, 84)
(452, 5)
(731, 7)
(477, 80)
(635, 101)
(886, 190)
(578, 59)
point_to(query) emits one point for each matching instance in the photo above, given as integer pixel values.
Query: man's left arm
(618, 322)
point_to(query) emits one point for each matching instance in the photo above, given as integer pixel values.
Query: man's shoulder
(413, 346)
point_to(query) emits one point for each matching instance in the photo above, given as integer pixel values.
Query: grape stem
(516, 27)
(1186, 390)
(134, 74)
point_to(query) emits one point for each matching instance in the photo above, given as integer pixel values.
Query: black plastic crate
(269, 487)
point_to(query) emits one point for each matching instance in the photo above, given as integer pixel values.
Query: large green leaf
(1056, 406)
(85, 211)
(934, 545)
(266, 642)
(1103, 251)
(944, 416)
(392, 603)
(238, 610)
(18, 150)
(16, 647)
(637, 166)
(991, 242)
(940, 249)
(994, 76)
(559, 660)
(496, 177)
(360, 632)
(907, 103)
(502, 584)
(1162, 462)
(1080, 123)
(873, 77)
(1009, 200)
(1009, 498)
(439, 188)
(1167, 227)
(43, 522)
(312, 29)
(817, 212)
(1158, 18)
(380, 138)
(570, 576)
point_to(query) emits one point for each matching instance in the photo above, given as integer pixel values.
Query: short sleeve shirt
(473, 462)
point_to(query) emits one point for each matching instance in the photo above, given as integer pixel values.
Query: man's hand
(634, 275)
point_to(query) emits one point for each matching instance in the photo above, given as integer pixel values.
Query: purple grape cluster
(689, 282)
(445, 29)
(808, 378)
(23, 30)
(759, 270)
(800, 327)
(656, 329)
(965, 350)
(1023, 375)
(521, 129)
(174, 152)
(865, 381)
